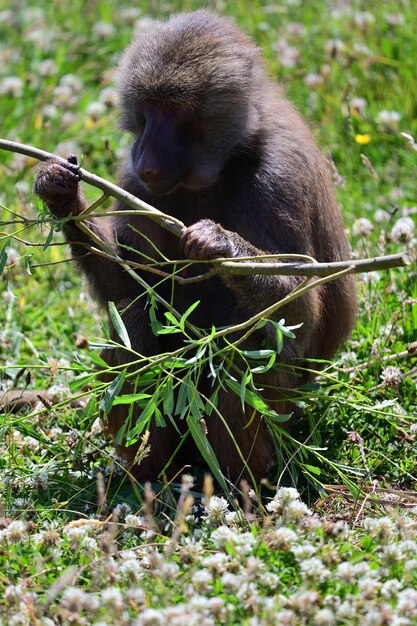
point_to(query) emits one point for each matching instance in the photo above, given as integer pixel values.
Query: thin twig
(176, 227)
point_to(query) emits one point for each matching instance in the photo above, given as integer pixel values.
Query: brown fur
(217, 145)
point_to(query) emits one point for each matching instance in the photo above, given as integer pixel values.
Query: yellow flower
(362, 139)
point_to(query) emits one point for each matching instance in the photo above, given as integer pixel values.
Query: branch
(176, 227)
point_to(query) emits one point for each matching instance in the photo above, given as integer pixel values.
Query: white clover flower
(128, 14)
(102, 29)
(304, 551)
(390, 588)
(11, 86)
(334, 47)
(407, 603)
(202, 578)
(369, 587)
(362, 226)
(358, 104)
(361, 48)
(381, 216)
(346, 611)
(48, 67)
(286, 618)
(395, 19)
(231, 581)
(282, 539)
(216, 562)
(63, 96)
(282, 498)
(362, 19)
(391, 376)
(215, 508)
(141, 25)
(73, 82)
(324, 617)
(50, 111)
(112, 598)
(95, 110)
(408, 547)
(403, 230)
(313, 80)
(75, 599)
(150, 617)
(65, 148)
(296, 511)
(271, 580)
(314, 570)
(16, 531)
(388, 119)
(109, 97)
(345, 572)
(289, 56)
(134, 521)
(222, 536)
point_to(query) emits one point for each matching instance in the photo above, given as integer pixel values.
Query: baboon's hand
(57, 184)
(207, 240)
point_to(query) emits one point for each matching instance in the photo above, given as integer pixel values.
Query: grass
(81, 544)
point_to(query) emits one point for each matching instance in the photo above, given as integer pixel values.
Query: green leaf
(188, 312)
(112, 392)
(118, 324)
(206, 451)
(168, 396)
(3, 257)
(81, 381)
(130, 398)
(48, 240)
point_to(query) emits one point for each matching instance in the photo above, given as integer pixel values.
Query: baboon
(217, 145)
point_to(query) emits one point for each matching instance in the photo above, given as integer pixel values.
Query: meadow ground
(79, 542)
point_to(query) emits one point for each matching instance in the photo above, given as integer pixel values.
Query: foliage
(350, 68)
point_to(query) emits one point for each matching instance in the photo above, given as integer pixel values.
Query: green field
(80, 543)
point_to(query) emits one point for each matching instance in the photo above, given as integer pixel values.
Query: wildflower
(403, 230)
(216, 561)
(11, 86)
(283, 496)
(346, 572)
(102, 29)
(128, 14)
(391, 376)
(362, 226)
(122, 510)
(362, 19)
(202, 579)
(231, 581)
(334, 47)
(95, 110)
(150, 617)
(48, 67)
(369, 587)
(395, 19)
(286, 618)
(215, 509)
(313, 80)
(407, 602)
(358, 105)
(304, 551)
(16, 531)
(282, 539)
(363, 139)
(361, 48)
(381, 216)
(288, 55)
(324, 617)
(109, 97)
(313, 570)
(74, 600)
(271, 580)
(112, 598)
(73, 82)
(388, 119)
(390, 588)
